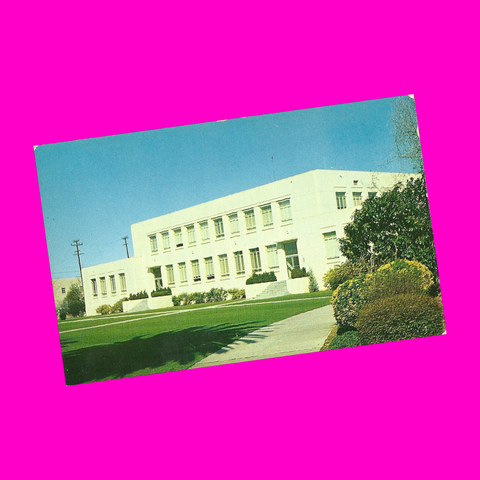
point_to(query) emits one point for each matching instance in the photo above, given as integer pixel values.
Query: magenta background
(402, 410)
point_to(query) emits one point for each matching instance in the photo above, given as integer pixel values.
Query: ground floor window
(209, 268)
(239, 263)
(113, 286)
(291, 256)
(157, 274)
(272, 256)
(331, 245)
(103, 286)
(94, 287)
(196, 271)
(223, 260)
(182, 270)
(123, 283)
(170, 276)
(255, 260)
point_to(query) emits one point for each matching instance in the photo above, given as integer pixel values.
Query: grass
(164, 340)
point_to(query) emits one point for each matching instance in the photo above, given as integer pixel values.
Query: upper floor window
(94, 287)
(250, 219)
(234, 228)
(153, 243)
(191, 234)
(178, 237)
(64, 290)
(331, 245)
(372, 194)
(123, 283)
(341, 200)
(285, 211)
(204, 234)
(267, 217)
(357, 199)
(166, 240)
(219, 233)
(103, 286)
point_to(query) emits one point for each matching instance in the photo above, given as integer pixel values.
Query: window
(157, 274)
(239, 263)
(224, 272)
(234, 228)
(255, 260)
(272, 256)
(191, 234)
(209, 268)
(331, 245)
(291, 256)
(372, 194)
(64, 290)
(166, 240)
(170, 276)
(123, 283)
(285, 211)
(103, 286)
(195, 271)
(250, 219)
(267, 218)
(178, 237)
(341, 200)
(182, 269)
(219, 233)
(153, 243)
(204, 231)
(94, 287)
(113, 285)
(357, 199)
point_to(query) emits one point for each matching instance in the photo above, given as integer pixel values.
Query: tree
(394, 225)
(74, 303)
(405, 132)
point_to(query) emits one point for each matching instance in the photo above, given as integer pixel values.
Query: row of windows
(112, 282)
(357, 199)
(219, 230)
(223, 266)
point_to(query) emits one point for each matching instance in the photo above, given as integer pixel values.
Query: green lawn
(165, 340)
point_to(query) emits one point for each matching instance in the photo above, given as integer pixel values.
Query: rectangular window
(291, 256)
(166, 240)
(204, 234)
(182, 270)
(157, 275)
(331, 245)
(209, 268)
(153, 243)
(103, 286)
(255, 260)
(357, 199)
(178, 237)
(267, 217)
(341, 200)
(234, 228)
(372, 194)
(64, 290)
(113, 285)
(195, 271)
(191, 234)
(239, 263)
(170, 276)
(272, 256)
(94, 287)
(123, 283)
(285, 211)
(250, 219)
(219, 233)
(224, 272)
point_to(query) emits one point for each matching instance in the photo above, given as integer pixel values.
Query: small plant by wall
(138, 296)
(298, 273)
(263, 277)
(312, 284)
(161, 292)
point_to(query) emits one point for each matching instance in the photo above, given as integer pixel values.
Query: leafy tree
(74, 303)
(405, 132)
(395, 225)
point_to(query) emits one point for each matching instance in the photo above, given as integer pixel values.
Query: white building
(294, 222)
(61, 286)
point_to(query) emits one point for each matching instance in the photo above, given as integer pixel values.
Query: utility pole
(76, 243)
(126, 245)
(273, 170)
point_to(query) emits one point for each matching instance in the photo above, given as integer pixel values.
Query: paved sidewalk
(303, 333)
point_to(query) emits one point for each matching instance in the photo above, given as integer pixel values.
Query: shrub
(62, 311)
(196, 297)
(342, 273)
(348, 299)
(312, 284)
(216, 295)
(400, 277)
(138, 296)
(161, 292)
(182, 299)
(118, 306)
(261, 278)
(400, 317)
(348, 339)
(298, 273)
(236, 294)
(104, 309)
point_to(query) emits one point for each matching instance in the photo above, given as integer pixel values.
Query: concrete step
(275, 289)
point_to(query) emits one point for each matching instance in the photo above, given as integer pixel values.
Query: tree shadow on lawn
(120, 359)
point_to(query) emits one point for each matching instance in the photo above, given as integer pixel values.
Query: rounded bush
(348, 339)
(104, 309)
(348, 299)
(342, 273)
(400, 317)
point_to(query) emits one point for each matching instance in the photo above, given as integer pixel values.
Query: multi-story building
(290, 223)
(61, 286)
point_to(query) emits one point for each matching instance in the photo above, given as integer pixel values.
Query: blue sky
(94, 189)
